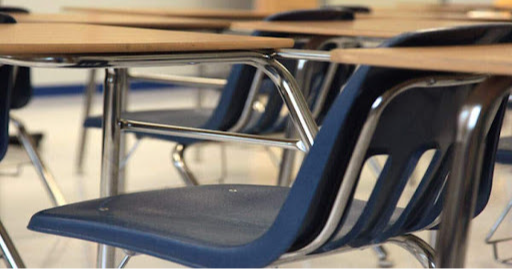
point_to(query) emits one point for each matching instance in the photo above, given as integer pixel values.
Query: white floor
(150, 168)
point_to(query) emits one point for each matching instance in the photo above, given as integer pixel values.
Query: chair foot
(46, 177)
(179, 162)
(420, 249)
(382, 254)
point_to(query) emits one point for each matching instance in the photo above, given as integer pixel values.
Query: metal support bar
(310, 55)
(89, 94)
(460, 200)
(420, 249)
(111, 150)
(204, 134)
(11, 256)
(179, 80)
(44, 173)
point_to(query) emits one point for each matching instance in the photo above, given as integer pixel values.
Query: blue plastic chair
(230, 107)
(255, 226)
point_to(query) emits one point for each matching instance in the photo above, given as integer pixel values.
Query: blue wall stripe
(80, 88)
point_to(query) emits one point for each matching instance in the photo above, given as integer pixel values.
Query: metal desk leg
(112, 105)
(125, 88)
(287, 160)
(89, 94)
(460, 200)
(10, 254)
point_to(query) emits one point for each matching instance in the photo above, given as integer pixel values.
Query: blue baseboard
(80, 88)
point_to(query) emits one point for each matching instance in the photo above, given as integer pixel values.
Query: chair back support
(230, 108)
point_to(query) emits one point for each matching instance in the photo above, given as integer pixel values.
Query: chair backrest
(229, 108)
(5, 96)
(416, 120)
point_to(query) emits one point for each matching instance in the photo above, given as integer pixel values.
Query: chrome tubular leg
(111, 153)
(432, 237)
(89, 94)
(11, 256)
(421, 250)
(224, 164)
(298, 108)
(287, 161)
(288, 157)
(382, 254)
(499, 221)
(460, 200)
(46, 176)
(178, 160)
(124, 86)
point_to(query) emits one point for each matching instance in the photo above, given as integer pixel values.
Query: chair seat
(504, 153)
(188, 225)
(181, 117)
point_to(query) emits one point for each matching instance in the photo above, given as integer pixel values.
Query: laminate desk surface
(177, 12)
(154, 22)
(380, 28)
(58, 38)
(485, 59)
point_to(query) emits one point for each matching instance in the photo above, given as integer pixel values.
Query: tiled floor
(150, 168)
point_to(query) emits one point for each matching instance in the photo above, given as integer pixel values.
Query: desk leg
(10, 254)
(112, 106)
(460, 200)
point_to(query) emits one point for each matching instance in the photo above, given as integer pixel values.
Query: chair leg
(494, 243)
(49, 182)
(179, 162)
(382, 254)
(89, 94)
(420, 249)
(10, 255)
(223, 164)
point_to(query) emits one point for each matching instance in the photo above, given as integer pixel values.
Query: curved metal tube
(178, 160)
(474, 121)
(45, 175)
(420, 249)
(359, 153)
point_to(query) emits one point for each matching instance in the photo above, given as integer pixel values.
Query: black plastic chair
(230, 107)
(401, 113)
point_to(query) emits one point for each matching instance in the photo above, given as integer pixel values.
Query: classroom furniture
(115, 49)
(243, 85)
(377, 112)
(375, 28)
(138, 21)
(232, 14)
